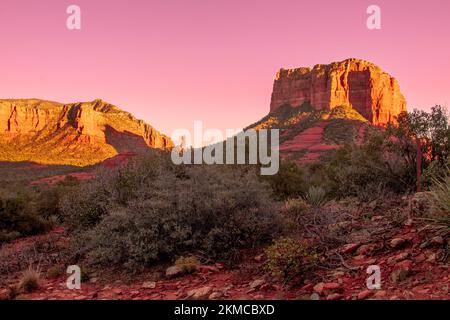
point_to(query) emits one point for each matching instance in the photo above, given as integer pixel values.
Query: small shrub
(55, 272)
(439, 200)
(30, 280)
(288, 258)
(187, 264)
(289, 182)
(315, 196)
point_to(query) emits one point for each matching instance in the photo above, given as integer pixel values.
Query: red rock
(365, 294)
(319, 287)
(332, 286)
(365, 249)
(380, 294)
(356, 83)
(350, 248)
(420, 258)
(66, 131)
(401, 271)
(397, 242)
(438, 240)
(334, 296)
(199, 293)
(308, 287)
(405, 264)
(257, 284)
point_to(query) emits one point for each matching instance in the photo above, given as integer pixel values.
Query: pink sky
(171, 62)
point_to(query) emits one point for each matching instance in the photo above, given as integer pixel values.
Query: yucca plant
(315, 196)
(439, 199)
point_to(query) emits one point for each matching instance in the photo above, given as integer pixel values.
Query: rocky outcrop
(79, 133)
(360, 84)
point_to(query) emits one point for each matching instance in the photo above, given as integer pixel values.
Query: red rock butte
(356, 83)
(82, 133)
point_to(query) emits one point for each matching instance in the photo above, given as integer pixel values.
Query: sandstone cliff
(77, 134)
(356, 83)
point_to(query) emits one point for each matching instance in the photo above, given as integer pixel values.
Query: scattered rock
(93, 280)
(438, 241)
(199, 293)
(365, 249)
(149, 285)
(173, 272)
(308, 287)
(365, 294)
(400, 257)
(397, 243)
(257, 284)
(402, 271)
(350, 248)
(380, 294)
(334, 296)
(327, 287)
(216, 295)
(319, 287)
(420, 258)
(314, 296)
(432, 257)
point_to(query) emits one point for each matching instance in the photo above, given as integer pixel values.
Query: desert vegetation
(151, 212)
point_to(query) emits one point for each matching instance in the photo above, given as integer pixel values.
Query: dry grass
(30, 279)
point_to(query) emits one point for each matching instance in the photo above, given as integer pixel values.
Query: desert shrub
(288, 258)
(30, 280)
(368, 170)
(84, 207)
(289, 182)
(19, 217)
(295, 207)
(187, 264)
(315, 196)
(439, 199)
(69, 181)
(169, 210)
(55, 271)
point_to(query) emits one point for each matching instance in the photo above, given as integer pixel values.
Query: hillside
(77, 134)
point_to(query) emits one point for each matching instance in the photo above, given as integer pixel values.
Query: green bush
(167, 210)
(288, 258)
(19, 217)
(289, 182)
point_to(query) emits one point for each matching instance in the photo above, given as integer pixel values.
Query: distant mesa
(320, 109)
(356, 83)
(78, 134)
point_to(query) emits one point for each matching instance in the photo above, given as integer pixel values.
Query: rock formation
(356, 83)
(78, 134)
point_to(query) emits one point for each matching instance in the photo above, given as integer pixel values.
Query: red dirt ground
(427, 279)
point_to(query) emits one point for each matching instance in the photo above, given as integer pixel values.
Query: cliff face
(355, 83)
(76, 134)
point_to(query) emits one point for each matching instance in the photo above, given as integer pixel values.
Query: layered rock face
(360, 84)
(78, 134)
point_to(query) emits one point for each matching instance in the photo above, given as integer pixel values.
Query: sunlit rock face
(82, 133)
(360, 84)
